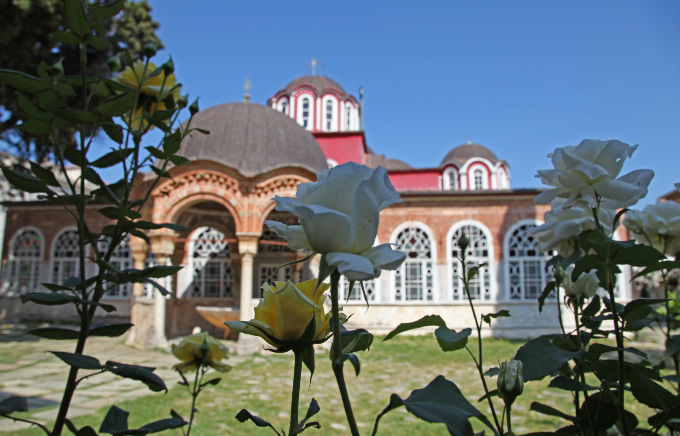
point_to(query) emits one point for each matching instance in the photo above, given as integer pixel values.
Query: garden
(617, 370)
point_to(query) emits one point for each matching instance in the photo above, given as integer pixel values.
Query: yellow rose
(152, 91)
(284, 312)
(200, 348)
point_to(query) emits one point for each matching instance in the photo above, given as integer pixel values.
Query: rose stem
(295, 394)
(337, 354)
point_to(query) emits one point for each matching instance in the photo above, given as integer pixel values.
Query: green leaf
(117, 105)
(596, 350)
(114, 131)
(74, 155)
(30, 109)
(35, 127)
(97, 43)
(638, 309)
(244, 416)
(110, 331)
(549, 289)
(115, 421)
(23, 181)
(648, 392)
(450, 340)
(312, 410)
(117, 213)
(500, 314)
(354, 360)
(66, 37)
(355, 340)
(112, 158)
(55, 333)
(79, 361)
(550, 411)
(542, 358)
(667, 265)
(587, 263)
(155, 152)
(140, 373)
(308, 360)
(638, 255)
(426, 321)
(179, 160)
(156, 285)
(325, 271)
(213, 382)
(77, 116)
(163, 424)
(108, 10)
(569, 384)
(75, 17)
(47, 299)
(13, 404)
(45, 175)
(148, 225)
(24, 82)
(440, 401)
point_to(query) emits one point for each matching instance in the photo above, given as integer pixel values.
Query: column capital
(163, 242)
(247, 243)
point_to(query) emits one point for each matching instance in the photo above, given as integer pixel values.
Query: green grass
(262, 385)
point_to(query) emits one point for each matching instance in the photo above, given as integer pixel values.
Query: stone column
(139, 250)
(247, 248)
(163, 246)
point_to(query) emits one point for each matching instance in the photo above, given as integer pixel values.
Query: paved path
(28, 370)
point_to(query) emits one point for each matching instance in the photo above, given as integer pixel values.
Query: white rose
(564, 224)
(339, 215)
(589, 170)
(657, 225)
(586, 285)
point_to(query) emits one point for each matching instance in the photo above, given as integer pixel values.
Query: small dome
(252, 139)
(465, 152)
(319, 83)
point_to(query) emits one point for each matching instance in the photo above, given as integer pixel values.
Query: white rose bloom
(564, 224)
(589, 170)
(339, 216)
(657, 225)
(586, 285)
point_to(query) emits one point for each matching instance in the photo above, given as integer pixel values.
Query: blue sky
(521, 77)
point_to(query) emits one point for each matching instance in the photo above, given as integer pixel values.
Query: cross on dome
(314, 63)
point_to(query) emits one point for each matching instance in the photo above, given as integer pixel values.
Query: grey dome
(252, 139)
(319, 83)
(465, 152)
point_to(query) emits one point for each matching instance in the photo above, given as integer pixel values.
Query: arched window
(23, 268)
(478, 175)
(525, 271)
(65, 255)
(356, 295)
(414, 280)
(283, 106)
(450, 179)
(329, 124)
(213, 276)
(121, 259)
(349, 117)
(502, 179)
(477, 253)
(305, 112)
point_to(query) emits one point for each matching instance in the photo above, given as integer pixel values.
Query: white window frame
(283, 106)
(310, 111)
(453, 265)
(423, 263)
(451, 173)
(333, 102)
(541, 258)
(12, 285)
(226, 270)
(58, 263)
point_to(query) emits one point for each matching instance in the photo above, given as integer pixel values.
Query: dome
(252, 139)
(320, 83)
(465, 152)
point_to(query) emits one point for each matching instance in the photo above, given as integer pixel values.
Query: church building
(224, 196)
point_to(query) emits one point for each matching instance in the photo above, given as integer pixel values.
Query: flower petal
(327, 230)
(294, 235)
(336, 190)
(352, 266)
(384, 257)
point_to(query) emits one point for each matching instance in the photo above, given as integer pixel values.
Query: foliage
(35, 50)
(83, 104)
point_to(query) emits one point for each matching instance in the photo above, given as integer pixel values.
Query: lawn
(262, 385)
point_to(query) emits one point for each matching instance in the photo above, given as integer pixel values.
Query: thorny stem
(337, 354)
(295, 394)
(579, 369)
(478, 363)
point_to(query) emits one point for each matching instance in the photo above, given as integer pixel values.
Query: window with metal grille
(477, 253)
(213, 275)
(414, 279)
(525, 273)
(23, 266)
